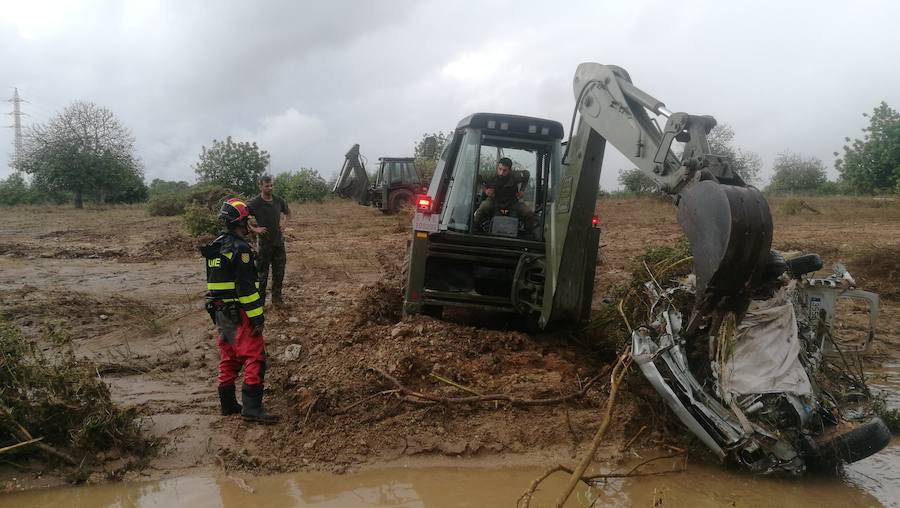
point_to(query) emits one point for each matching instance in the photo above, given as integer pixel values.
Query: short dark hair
(265, 179)
(506, 161)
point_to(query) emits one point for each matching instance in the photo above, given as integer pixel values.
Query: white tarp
(765, 358)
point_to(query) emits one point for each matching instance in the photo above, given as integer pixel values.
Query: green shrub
(890, 416)
(303, 186)
(159, 187)
(167, 205)
(14, 190)
(211, 195)
(199, 220)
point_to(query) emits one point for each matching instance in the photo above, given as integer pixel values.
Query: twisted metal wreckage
(756, 396)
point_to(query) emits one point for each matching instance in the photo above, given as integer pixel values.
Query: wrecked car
(754, 388)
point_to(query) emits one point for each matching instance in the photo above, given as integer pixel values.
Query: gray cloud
(306, 80)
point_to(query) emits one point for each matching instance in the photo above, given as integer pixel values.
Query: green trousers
(274, 256)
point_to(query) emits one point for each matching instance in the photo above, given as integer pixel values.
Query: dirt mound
(379, 303)
(51, 251)
(342, 406)
(60, 317)
(177, 245)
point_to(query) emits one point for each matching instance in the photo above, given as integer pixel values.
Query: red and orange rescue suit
(236, 309)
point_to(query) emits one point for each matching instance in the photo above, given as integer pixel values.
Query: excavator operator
(503, 191)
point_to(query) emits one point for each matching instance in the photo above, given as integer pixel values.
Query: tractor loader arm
(727, 222)
(353, 181)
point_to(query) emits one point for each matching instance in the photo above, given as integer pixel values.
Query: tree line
(85, 154)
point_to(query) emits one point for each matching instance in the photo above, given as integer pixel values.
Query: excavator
(545, 272)
(397, 181)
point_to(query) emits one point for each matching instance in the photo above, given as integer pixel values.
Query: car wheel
(856, 444)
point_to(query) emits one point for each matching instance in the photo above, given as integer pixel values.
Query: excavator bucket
(730, 233)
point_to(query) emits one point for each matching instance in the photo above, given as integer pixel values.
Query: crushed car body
(751, 394)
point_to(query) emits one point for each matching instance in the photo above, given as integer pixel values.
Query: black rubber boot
(253, 410)
(228, 401)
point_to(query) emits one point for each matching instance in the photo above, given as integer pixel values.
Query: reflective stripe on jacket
(231, 273)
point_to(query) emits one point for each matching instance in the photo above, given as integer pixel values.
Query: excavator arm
(728, 223)
(352, 181)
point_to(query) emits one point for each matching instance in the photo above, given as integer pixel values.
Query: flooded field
(874, 482)
(868, 483)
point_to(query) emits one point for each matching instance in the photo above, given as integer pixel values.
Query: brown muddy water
(871, 482)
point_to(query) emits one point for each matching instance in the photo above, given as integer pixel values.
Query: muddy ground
(125, 290)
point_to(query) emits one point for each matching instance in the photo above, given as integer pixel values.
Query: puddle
(871, 482)
(880, 473)
(467, 487)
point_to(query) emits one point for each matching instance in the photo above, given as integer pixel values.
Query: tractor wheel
(399, 199)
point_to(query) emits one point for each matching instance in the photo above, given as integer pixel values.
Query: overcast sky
(306, 80)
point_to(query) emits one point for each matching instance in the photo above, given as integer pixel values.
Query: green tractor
(534, 252)
(498, 264)
(397, 182)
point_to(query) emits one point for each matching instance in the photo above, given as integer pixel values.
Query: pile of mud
(174, 246)
(342, 411)
(60, 317)
(68, 251)
(379, 304)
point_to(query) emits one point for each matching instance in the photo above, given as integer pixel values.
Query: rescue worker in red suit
(234, 304)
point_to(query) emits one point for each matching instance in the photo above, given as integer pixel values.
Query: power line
(17, 124)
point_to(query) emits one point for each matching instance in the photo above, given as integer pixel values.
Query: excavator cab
(471, 251)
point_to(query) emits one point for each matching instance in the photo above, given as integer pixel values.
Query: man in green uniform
(503, 190)
(271, 214)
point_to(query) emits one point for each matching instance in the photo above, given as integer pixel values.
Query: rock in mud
(291, 353)
(400, 331)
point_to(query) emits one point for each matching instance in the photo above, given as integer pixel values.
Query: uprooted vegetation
(55, 407)
(392, 387)
(377, 388)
